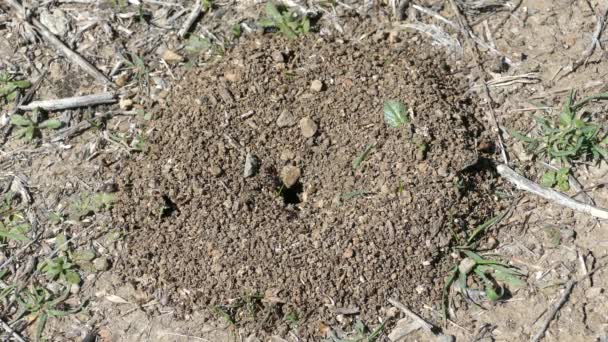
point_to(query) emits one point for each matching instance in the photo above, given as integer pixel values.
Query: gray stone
(445, 338)
(466, 266)
(316, 85)
(56, 21)
(101, 264)
(252, 164)
(309, 127)
(290, 175)
(286, 119)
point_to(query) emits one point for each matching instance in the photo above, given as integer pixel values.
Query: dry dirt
(193, 244)
(340, 238)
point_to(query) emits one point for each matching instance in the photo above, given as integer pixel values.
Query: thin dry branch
(595, 41)
(72, 102)
(59, 45)
(9, 330)
(539, 335)
(549, 194)
(194, 14)
(423, 324)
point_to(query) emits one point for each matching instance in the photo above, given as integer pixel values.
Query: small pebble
(215, 171)
(348, 253)
(101, 264)
(287, 155)
(286, 119)
(466, 265)
(278, 56)
(290, 175)
(171, 56)
(309, 127)
(252, 164)
(125, 104)
(316, 85)
(445, 338)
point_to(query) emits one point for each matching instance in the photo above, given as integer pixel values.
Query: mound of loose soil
(203, 234)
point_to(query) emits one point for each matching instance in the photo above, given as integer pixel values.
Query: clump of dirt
(340, 237)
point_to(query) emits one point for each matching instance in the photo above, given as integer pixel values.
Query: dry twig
(549, 194)
(423, 324)
(72, 102)
(59, 45)
(194, 14)
(9, 330)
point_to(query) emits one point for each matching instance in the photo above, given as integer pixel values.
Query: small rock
(125, 104)
(122, 80)
(466, 265)
(316, 85)
(286, 119)
(348, 253)
(290, 175)
(287, 155)
(491, 243)
(445, 338)
(101, 264)
(232, 76)
(55, 21)
(215, 171)
(309, 128)
(278, 56)
(74, 288)
(568, 233)
(171, 56)
(521, 153)
(252, 164)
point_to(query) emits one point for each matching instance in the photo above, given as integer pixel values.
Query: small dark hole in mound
(292, 195)
(169, 207)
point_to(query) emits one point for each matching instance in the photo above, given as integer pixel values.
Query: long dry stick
(595, 41)
(423, 324)
(524, 184)
(72, 102)
(539, 335)
(194, 14)
(11, 331)
(59, 45)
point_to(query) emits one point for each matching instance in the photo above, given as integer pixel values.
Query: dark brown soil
(204, 235)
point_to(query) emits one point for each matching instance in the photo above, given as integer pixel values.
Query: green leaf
(14, 235)
(395, 113)
(51, 123)
(267, 23)
(357, 162)
(29, 133)
(22, 84)
(20, 120)
(520, 136)
(40, 326)
(60, 242)
(549, 179)
(273, 12)
(86, 255)
(72, 277)
(305, 25)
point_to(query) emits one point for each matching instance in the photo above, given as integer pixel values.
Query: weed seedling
(395, 113)
(30, 127)
(9, 87)
(288, 22)
(60, 268)
(357, 162)
(569, 137)
(40, 305)
(13, 227)
(557, 178)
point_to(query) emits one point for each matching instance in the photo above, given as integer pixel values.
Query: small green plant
(30, 127)
(361, 334)
(60, 268)
(140, 69)
(557, 178)
(9, 87)
(198, 45)
(14, 227)
(40, 305)
(569, 137)
(292, 318)
(251, 303)
(207, 5)
(288, 22)
(488, 274)
(357, 162)
(89, 203)
(395, 113)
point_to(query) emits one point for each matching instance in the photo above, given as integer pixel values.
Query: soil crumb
(338, 210)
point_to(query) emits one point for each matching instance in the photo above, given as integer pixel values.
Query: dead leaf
(272, 296)
(403, 328)
(116, 300)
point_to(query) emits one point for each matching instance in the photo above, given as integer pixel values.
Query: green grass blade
(357, 162)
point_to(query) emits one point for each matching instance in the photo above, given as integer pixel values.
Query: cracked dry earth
(205, 238)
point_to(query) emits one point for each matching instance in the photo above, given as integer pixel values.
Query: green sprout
(9, 87)
(30, 127)
(395, 113)
(557, 178)
(569, 137)
(288, 22)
